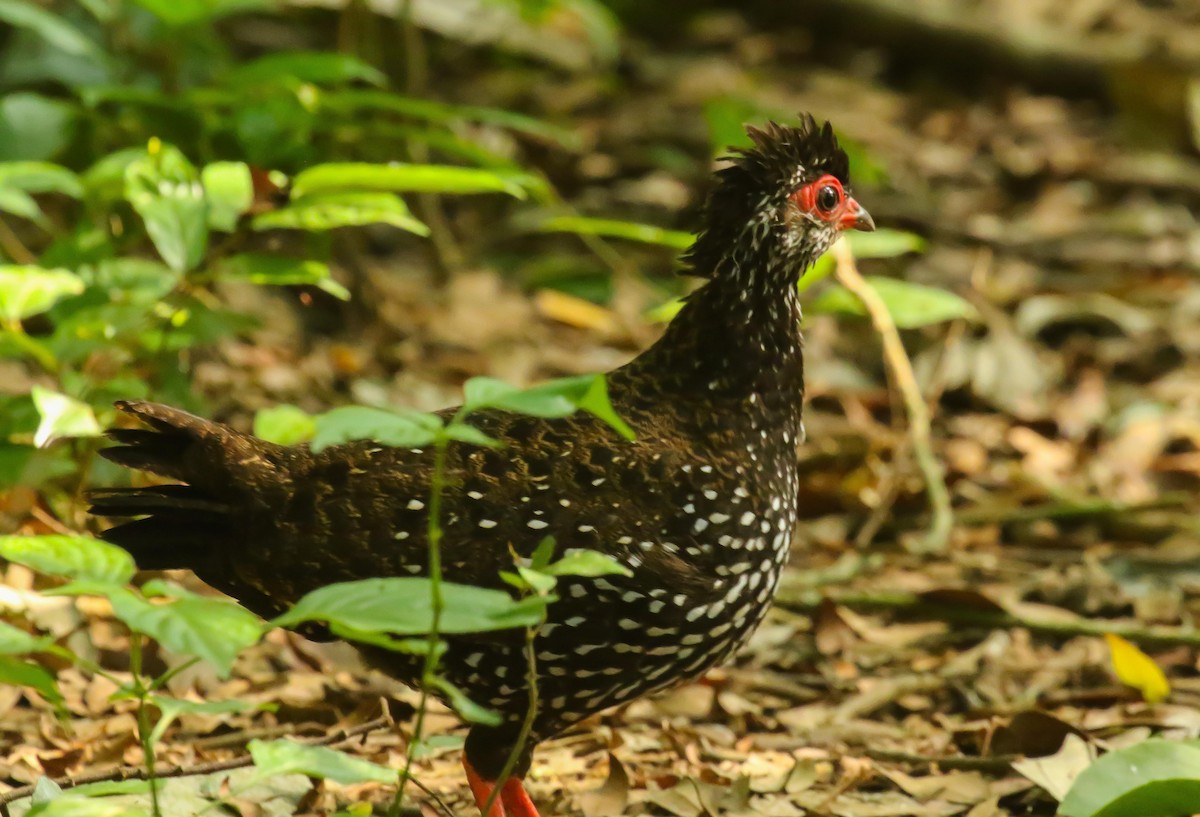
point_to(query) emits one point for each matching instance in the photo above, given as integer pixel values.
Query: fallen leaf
(1058, 771)
(1136, 669)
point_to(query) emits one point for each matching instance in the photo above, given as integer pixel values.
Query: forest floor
(888, 680)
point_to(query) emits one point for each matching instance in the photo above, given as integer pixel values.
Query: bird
(699, 507)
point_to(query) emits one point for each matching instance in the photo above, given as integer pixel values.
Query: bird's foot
(512, 801)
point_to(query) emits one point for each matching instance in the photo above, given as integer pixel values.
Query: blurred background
(179, 220)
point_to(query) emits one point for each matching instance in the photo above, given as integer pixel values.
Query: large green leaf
(210, 628)
(319, 67)
(186, 12)
(53, 28)
(609, 228)
(73, 805)
(19, 179)
(75, 557)
(278, 757)
(34, 127)
(406, 178)
(403, 606)
(1154, 778)
(284, 424)
(171, 708)
(229, 190)
(15, 641)
(554, 398)
(26, 290)
(278, 270)
(22, 673)
(330, 210)
(62, 416)
(165, 190)
(910, 305)
(399, 427)
(581, 562)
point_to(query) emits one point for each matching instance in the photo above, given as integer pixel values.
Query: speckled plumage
(700, 507)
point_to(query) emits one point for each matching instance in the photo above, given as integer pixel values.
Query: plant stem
(433, 535)
(510, 762)
(918, 412)
(145, 730)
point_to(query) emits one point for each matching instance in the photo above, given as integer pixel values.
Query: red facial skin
(846, 212)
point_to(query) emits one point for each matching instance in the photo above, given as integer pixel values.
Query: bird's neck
(737, 338)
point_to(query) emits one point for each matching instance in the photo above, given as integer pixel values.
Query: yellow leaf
(1136, 669)
(573, 311)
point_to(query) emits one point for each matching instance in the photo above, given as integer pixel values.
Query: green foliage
(910, 305)
(403, 606)
(73, 557)
(1154, 778)
(288, 757)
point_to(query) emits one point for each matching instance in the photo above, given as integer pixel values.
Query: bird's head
(778, 205)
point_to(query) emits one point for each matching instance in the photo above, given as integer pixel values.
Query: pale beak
(856, 217)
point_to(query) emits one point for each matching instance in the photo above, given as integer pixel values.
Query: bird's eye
(828, 198)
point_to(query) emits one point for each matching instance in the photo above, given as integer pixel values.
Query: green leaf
(536, 580)
(34, 127)
(285, 425)
(595, 401)
(22, 673)
(583, 562)
(554, 398)
(359, 102)
(26, 291)
(229, 191)
(630, 231)
(406, 178)
(21, 204)
(15, 641)
(910, 305)
(277, 270)
(44, 790)
(165, 190)
(53, 28)
(279, 757)
(186, 12)
(465, 433)
(464, 706)
(318, 67)
(403, 606)
(327, 211)
(1154, 778)
(884, 243)
(62, 416)
(75, 557)
(171, 708)
(210, 628)
(399, 427)
(19, 179)
(74, 805)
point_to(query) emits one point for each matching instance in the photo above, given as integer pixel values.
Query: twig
(140, 773)
(13, 247)
(998, 763)
(931, 609)
(918, 412)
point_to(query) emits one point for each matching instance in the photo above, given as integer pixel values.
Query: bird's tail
(225, 476)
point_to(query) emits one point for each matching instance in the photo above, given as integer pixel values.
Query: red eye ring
(823, 198)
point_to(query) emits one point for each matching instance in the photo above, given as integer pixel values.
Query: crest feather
(781, 158)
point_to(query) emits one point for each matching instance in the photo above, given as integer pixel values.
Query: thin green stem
(433, 535)
(518, 749)
(145, 729)
(44, 357)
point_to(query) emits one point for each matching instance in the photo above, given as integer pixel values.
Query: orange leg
(513, 800)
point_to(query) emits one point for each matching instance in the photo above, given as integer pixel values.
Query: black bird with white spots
(700, 507)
